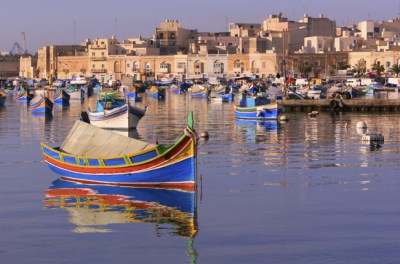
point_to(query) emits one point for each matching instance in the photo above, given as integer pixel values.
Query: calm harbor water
(304, 191)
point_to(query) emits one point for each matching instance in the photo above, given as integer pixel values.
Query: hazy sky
(64, 22)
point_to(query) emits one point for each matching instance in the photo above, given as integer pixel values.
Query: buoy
(283, 118)
(204, 134)
(373, 138)
(361, 124)
(313, 114)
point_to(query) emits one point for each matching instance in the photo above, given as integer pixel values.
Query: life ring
(334, 104)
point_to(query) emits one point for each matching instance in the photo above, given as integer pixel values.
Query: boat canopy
(88, 140)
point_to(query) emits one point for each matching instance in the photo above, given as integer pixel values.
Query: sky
(68, 22)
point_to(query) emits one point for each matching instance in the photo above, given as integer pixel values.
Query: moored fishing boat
(94, 208)
(23, 95)
(108, 94)
(41, 104)
(96, 156)
(156, 92)
(115, 114)
(199, 91)
(61, 97)
(3, 97)
(256, 107)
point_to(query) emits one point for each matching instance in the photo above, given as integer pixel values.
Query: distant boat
(92, 155)
(115, 114)
(199, 91)
(156, 92)
(256, 107)
(61, 97)
(93, 208)
(41, 104)
(3, 97)
(108, 94)
(23, 95)
(79, 80)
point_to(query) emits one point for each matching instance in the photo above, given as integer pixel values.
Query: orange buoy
(204, 134)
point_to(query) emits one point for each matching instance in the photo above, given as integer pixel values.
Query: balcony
(238, 69)
(94, 46)
(164, 70)
(98, 70)
(98, 58)
(255, 70)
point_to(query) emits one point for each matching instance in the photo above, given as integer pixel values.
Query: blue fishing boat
(199, 91)
(61, 97)
(115, 114)
(133, 96)
(256, 107)
(3, 97)
(156, 92)
(92, 207)
(96, 156)
(227, 97)
(23, 95)
(41, 104)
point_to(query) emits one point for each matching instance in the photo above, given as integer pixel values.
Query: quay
(349, 105)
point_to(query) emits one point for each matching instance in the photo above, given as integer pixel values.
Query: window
(93, 54)
(316, 63)
(128, 65)
(93, 66)
(148, 67)
(161, 36)
(136, 66)
(172, 36)
(102, 54)
(164, 65)
(218, 67)
(102, 66)
(237, 64)
(181, 65)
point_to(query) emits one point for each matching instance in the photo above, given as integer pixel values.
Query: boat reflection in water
(255, 130)
(93, 207)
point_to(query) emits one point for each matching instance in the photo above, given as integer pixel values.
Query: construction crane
(24, 42)
(16, 49)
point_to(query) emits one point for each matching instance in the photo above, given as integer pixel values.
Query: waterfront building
(47, 61)
(27, 67)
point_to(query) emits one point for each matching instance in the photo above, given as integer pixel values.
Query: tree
(342, 65)
(378, 68)
(304, 68)
(358, 69)
(396, 69)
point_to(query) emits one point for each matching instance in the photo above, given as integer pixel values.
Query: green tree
(396, 69)
(342, 65)
(378, 68)
(358, 69)
(304, 68)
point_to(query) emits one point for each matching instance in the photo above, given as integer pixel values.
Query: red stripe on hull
(127, 168)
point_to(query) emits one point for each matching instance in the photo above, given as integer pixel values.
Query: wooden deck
(350, 105)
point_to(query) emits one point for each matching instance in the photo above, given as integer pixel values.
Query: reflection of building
(93, 207)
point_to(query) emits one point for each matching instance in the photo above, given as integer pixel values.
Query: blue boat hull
(258, 115)
(183, 171)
